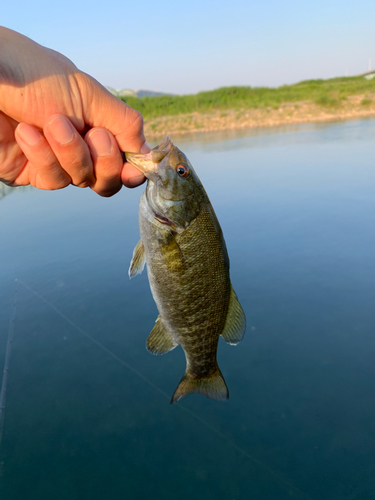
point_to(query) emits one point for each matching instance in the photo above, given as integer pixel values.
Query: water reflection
(309, 133)
(297, 207)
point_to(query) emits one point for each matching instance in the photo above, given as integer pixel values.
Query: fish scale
(198, 295)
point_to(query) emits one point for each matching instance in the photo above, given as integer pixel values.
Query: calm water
(87, 412)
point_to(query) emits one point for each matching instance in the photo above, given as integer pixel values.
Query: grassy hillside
(328, 93)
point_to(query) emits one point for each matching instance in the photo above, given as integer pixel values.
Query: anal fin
(159, 340)
(235, 325)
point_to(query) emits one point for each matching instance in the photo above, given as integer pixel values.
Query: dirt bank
(302, 112)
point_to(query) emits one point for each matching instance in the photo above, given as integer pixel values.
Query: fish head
(174, 191)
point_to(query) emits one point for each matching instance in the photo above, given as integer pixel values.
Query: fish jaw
(144, 163)
(148, 164)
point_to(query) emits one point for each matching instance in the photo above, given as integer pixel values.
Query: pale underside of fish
(188, 269)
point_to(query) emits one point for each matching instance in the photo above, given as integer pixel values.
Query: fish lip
(143, 163)
(148, 164)
(148, 171)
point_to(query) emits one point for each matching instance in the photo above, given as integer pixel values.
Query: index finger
(104, 110)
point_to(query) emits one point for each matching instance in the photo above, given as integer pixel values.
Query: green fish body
(188, 269)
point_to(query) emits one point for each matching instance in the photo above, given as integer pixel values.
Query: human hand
(58, 126)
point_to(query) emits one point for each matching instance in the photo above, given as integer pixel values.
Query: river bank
(357, 106)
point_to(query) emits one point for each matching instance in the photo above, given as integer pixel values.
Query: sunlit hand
(58, 126)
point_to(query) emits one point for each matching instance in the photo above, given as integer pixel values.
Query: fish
(188, 269)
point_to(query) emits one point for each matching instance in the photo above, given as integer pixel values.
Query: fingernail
(145, 148)
(61, 129)
(28, 134)
(100, 143)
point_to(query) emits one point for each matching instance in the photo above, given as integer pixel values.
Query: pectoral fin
(159, 340)
(138, 261)
(235, 324)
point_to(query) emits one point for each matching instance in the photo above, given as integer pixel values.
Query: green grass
(366, 101)
(323, 92)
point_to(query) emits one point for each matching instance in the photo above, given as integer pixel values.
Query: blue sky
(184, 47)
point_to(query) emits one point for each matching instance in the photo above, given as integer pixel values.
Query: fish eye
(182, 171)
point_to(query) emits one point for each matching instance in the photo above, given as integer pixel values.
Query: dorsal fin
(138, 261)
(160, 341)
(235, 324)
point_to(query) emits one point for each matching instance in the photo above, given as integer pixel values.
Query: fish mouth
(148, 164)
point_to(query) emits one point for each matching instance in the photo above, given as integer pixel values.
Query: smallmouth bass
(188, 269)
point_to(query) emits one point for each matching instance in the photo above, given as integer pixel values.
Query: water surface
(87, 413)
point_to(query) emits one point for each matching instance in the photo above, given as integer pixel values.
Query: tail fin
(213, 387)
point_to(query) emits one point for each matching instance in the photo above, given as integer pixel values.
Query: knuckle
(53, 184)
(137, 120)
(81, 173)
(110, 172)
(133, 120)
(59, 185)
(106, 192)
(83, 184)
